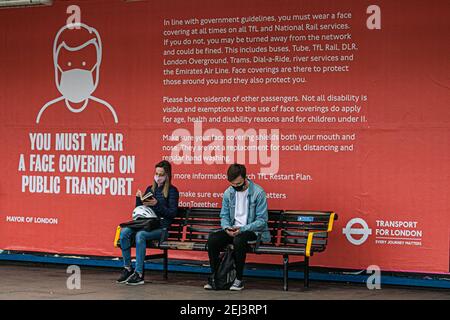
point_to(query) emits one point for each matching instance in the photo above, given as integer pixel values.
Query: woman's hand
(150, 202)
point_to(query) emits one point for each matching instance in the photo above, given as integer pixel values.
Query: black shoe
(124, 275)
(238, 285)
(135, 279)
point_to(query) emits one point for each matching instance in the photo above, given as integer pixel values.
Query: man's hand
(139, 193)
(236, 231)
(233, 232)
(229, 232)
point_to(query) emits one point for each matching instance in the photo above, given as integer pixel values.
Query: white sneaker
(238, 285)
(207, 287)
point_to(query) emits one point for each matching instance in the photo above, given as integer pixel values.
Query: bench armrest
(117, 237)
(310, 241)
(312, 233)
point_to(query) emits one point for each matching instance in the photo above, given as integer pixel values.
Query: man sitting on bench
(243, 217)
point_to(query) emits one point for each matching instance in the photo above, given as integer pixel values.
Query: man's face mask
(240, 187)
(76, 85)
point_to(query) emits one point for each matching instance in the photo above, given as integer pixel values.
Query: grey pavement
(43, 282)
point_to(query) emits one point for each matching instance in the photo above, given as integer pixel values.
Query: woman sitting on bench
(164, 204)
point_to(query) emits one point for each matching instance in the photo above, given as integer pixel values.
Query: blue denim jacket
(257, 211)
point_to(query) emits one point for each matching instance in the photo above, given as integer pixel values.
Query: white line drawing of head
(77, 85)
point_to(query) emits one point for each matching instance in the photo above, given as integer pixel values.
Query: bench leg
(165, 264)
(285, 271)
(306, 273)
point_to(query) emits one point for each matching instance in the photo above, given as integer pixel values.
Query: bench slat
(306, 227)
(197, 236)
(308, 212)
(207, 230)
(303, 241)
(181, 245)
(203, 222)
(302, 234)
(280, 250)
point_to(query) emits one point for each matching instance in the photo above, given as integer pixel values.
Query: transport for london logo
(349, 231)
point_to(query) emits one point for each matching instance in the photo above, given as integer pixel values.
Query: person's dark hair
(168, 170)
(236, 170)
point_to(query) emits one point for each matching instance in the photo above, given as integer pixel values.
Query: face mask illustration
(76, 85)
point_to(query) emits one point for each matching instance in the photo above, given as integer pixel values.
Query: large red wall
(395, 167)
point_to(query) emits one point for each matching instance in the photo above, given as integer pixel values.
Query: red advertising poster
(340, 106)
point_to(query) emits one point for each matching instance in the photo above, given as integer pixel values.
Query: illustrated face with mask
(77, 84)
(77, 57)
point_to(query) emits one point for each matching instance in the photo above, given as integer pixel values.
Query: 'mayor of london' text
(36, 220)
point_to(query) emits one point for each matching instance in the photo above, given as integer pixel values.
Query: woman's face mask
(160, 179)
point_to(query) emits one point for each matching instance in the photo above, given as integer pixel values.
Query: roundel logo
(350, 231)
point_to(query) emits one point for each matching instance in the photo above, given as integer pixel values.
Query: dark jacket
(165, 208)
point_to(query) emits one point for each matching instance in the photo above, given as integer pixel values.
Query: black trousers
(217, 242)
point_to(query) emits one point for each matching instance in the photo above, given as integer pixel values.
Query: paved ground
(20, 281)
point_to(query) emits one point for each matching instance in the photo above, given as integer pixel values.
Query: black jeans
(217, 242)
